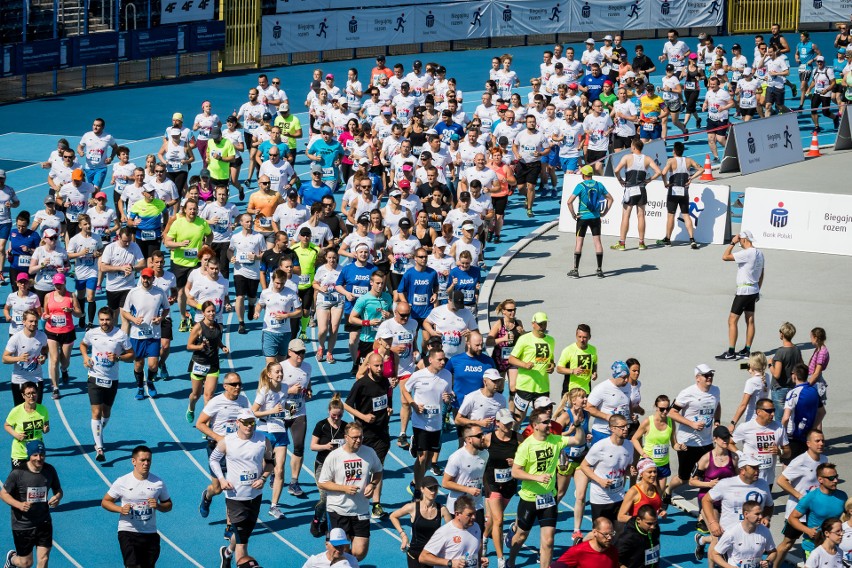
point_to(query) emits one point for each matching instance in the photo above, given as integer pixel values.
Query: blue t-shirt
(418, 287)
(355, 279)
(266, 145)
(594, 84)
(467, 374)
(311, 194)
(806, 52)
(329, 152)
(590, 193)
(804, 411)
(30, 239)
(467, 282)
(818, 507)
(444, 130)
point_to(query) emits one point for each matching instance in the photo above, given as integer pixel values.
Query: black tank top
(422, 528)
(499, 452)
(417, 141)
(211, 338)
(842, 41)
(426, 239)
(692, 77)
(381, 244)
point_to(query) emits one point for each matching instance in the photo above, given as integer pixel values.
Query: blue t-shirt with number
(418, 286)
(355, 279)
(467, 282)
(467, 374)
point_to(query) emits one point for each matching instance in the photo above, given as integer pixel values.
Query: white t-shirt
(345, 468)
(427, 389)
(321, 561)
(95, 149)
(596, 127)
(268, 399)
(749, 270)
(402, 252)
(244, 459)
(327, 278)
(100, 346)
(756, 388)
(203, 288)
(295, 405)
(275, 303)
(146, 304)
(486, 177)
(611, 399)
(748, 92)
(223, 412)
(225, 215)
(529, 143)
(289, 218)
(85, 266)
(801, 473)
(571, 143)
(777, 65)
(450, 326)
(17, 307)
(101, 220)
(116, 255)
(247, 249)
(610, 462)
(466, 469)
(477, 406)
(697, 405)
(403, 334)
(715, 100)
(733, 492)
(745, 549)
(127, 489)
(820, 558)
(451, 542)
(19, 344)
(76, 199)
(752, 438)
(676, 53)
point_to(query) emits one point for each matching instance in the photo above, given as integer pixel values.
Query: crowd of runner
(387, 240)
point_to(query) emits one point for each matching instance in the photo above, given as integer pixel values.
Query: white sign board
(798, 220)
(819, 11)
(763, 144)
(708, 208)
(175, 12)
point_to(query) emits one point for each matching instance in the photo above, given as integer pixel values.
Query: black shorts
(245, 286)
(425, 441)
(594, 155)
(797, 448)
(607, 511)
(115, 300)
(243, 517)
(528, 514)
(638, 200)
(248, 138)
(351, 524)
(306, 295)
(139, 549)
(499, 204)
(621, 142)
(66, 338)
(28, 539)
(691, 101)
(744, 303)
(722, 126)
(747, 111)
(524, 400)
(528, 172)
(686, 459)
(148, 247)
(237, 164)
(166, 331)
(675, 202)
(102, 395)
(350, 327)
(591, 224)
(181, 274)
(506, 490)
(791, 533)
(775, 96)
(380, 444)
(818, 100)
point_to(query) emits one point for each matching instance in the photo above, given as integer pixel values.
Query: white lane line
(109, 484)
(66, 555)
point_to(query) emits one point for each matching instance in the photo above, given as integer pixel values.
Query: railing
(127, 16)
(756, 16)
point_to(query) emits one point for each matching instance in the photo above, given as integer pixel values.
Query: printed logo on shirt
(353, 471)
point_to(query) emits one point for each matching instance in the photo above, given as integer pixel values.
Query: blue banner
(38, 56)
(94, 48)
(155, 42)
(206, 36)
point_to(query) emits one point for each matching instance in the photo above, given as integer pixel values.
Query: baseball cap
(669, 67)
(363, 162)
(425, 155)
(607, 37)
(326, 128)
(337, 537)
(147, 272)
(747, 459)
(292, 193)
(59, 278)
(619, 369)
(405, 223)
(644, 465)
(454, 136)
(841, 50)
(539, 317)
(22, 276)
(386, 333)
(35, 447)
(205, 173)
(49, 233)
(403, 184)
(572, 86)
(441, 242)
(316, 167)
(468, 226)
(542, 402)
(78, 175)
(267, 116)
(693, 55)
(363, 219)
(819, 58)
(746, 235)
(315, 85)
(395, 193)
(432, 131)
(703, 369)
(296, 345)
(722, 432)
(458, 299)
(387, 110)
(649, 87)
(607, 82)
(736, 46)
(748, 71)
(503, 415)
(503, 107)
(330, 76)
(245, 414)
(284, 107)
(380, 57)
(590, 40)
(305, 232)
(630, 74)
(491, 375)
(407, 167)
(558, 65)
(177, 116)
(587, 170)
(148, 188)
(417, 63)
(464, 196)
(100, 195)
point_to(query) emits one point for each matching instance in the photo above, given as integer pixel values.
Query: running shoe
(9, 556)
(320, 353)
(702, 527)
(65, 377)
(726, 356)
(163, 372)
(56, 394)
(507, 538)
(303, 336)
(225, 556)
(436, 469)
(251, 312)
(152, 390)
(275, 512)
(184, 326)
(242, 191)
(377, 512)
(402, 441)
(619, 246)
(497, 239)
(698, 122)
(693, 245)
(530, 213)
(599, 272)
(642, 246)
(501, 563)
(315, 528)
(242, 329)
(82, 323)
(664, 242)
(295, 489)
(99, 455)
(140, 394)
(576, 538)
(743, 353)
(190, 416)
(700, 553)
(573, 273)
(795, 91)
(685, 135)
(836, 121)
(204, 506)
(313, 321)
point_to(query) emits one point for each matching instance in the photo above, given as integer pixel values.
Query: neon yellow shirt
(182, 230)
(573, 357)
(30, 423)
(537, 458)
(539, 351)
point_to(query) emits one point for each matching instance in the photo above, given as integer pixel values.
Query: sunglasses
(831, 477)
(404, 316)
(770, 410)
(480, 435)
(263, 183)
(235, 385)
(431, 487)
(51, 238)
(663, 408)
(247, 422)
(300, 353)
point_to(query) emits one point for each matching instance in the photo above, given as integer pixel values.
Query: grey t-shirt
(789, 357)
(29, 487)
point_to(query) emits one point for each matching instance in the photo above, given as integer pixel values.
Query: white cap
(747, 459)
(49, 233)
(590, 40)
(746, 235)
(748, 71)
(441, 242)
(630, 74)
(607, 37)
(703, 369)
(503, 415)
(542, 402)
(385, 334)
(174, 131)
(245, 414)
(337, 537)
(492, 375)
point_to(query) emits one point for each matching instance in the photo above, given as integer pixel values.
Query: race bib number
(190, 253)
(661, 451)
(175, 164)
(617, 478)
(304, 279)
(150, 236)
(689, 85)
(521, 403)
(58, 320)
(331, 297)
(328, 172)
(678, 191)
(575, 451)
(502, 475)
(231, 426)
(707, 416)
(265, 222)
(24, 260)
(244, 258)
(103, 383)
(140, 511)
(633, 191)
(87, 260)
(505, 352)
(421, 299)
(199, 369)
(146, 330)
(544, 501)
(248, 477)
(648, 126)
(652, 555)
(36, 494)
(380, 403)
(431, 410)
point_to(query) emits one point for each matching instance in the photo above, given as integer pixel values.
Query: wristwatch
(449, 564)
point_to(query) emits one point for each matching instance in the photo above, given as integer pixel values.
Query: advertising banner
(92, 49)
(155, 42)
(763, 144)
(42, 55)
(179, 11)
(592, 15)
(685, 13)
(376, 26)
(529, 17)
(798, 220)
(818, 11)
(708, 208)
(844, 133)
(206, 36)
(310, 31)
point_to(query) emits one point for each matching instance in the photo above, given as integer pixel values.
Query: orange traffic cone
(813, 152)
(708, 170)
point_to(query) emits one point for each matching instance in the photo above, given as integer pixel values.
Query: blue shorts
(551, 158)
(651, 134)
(5, 231)
(274, 344)
(597, 436)
(145, 348)
(278, 439)
(664, 471)
(96, 177)
(87, 284)
(570, 164)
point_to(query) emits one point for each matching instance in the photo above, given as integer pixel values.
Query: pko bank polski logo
(779, 216)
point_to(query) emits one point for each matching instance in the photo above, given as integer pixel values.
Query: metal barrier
(242, 33)
(756, 16)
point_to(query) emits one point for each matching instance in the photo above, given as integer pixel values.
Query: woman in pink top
(817, 365)
(60, 309)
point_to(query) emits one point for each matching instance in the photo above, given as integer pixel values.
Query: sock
(577, 256)
(621, 242)
(82, 302)
(303, 328)
(140, 378)
(93, 311)
(730, 349)
(104, 422)
(747, 348)
(97, 433)
(599, 258)
(229, 552)
(152, 374)
(691, 239)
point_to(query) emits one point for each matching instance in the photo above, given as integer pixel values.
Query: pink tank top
(58, 319)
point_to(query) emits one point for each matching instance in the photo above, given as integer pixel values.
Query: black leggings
(296, 428)
(221, 250)
(179, 178)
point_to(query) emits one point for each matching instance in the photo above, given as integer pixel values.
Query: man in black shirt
(370, 402)
(26, 491)
(271, 259)
(335, 223)
(639, 542)
(642, 64)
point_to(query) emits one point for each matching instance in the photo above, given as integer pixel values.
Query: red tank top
(58, 319)
(656, 501)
